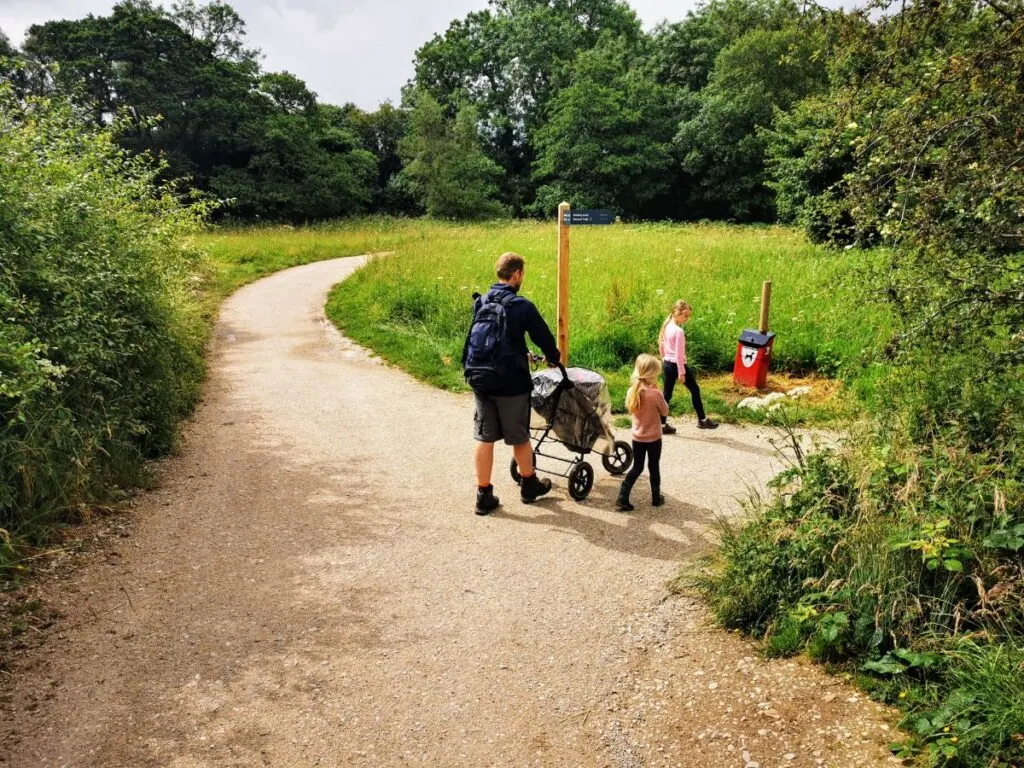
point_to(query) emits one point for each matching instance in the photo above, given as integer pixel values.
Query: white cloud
(360, 52)
(16, 16)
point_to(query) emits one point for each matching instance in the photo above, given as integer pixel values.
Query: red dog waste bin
(753, 358)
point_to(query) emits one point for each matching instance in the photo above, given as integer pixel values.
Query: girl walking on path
(672, 347)
(648, 408)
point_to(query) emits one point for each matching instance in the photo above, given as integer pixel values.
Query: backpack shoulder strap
(478, 301)
(505, 298)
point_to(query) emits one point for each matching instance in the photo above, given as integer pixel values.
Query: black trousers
(670, 371)
(651, 453)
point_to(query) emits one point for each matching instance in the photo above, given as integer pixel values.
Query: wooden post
(562, 335)
(766, 300)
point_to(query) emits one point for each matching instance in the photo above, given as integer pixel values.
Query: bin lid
(754, 338)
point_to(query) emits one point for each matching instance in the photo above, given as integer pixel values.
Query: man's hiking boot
(486, 501)
(707, 423)
(668, 429)
(531, 488)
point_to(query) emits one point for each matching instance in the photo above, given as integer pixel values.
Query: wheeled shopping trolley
(576, 411)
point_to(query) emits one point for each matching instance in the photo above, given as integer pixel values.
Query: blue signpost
(588, 216)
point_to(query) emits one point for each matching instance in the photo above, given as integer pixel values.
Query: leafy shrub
(892, 555)
(920, 150)
(764, 565)
(967, 709)
(100, 333)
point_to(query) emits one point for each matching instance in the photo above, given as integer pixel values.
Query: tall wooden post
(562, 336)
(766, 300)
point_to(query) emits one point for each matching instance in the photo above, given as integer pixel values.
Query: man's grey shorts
(499, 417)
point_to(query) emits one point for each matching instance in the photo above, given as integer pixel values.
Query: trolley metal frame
(578, 471)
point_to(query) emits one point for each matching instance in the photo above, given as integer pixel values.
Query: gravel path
(308, 586)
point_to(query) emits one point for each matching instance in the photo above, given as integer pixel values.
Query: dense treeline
(577, 102)
(539, 100)
(188, 91)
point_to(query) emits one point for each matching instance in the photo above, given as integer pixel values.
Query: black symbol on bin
(749, 355)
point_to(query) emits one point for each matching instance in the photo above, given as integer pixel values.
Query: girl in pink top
(647, 406)
(672, 347)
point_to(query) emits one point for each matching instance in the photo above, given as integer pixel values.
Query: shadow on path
(673, 532)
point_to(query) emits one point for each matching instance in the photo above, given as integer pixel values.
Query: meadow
(412, 305)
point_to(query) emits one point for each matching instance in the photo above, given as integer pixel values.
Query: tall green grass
(237, 256)
(413, 307)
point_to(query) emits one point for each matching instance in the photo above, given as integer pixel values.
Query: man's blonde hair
(508, 264)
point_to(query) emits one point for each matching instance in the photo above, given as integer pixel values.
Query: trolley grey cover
(583, 413)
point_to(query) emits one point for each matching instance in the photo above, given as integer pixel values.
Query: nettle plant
(938, 550)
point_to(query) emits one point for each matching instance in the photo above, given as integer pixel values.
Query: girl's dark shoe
(622, 501)
(668, 429)
(657, 500)
(532, 487)
(486, 501)
(707, 424)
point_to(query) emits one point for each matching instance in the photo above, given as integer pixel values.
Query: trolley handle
(566, 382)
(536, 360)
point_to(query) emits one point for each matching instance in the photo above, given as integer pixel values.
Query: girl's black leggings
(671, 374)
(651, 452)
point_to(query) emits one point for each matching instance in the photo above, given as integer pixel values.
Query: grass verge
(412, 308)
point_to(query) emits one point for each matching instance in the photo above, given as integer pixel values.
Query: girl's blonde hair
(645, 372)
(678, 308)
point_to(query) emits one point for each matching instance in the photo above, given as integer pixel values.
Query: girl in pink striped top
(672, 347)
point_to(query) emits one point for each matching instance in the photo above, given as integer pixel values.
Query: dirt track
(309, 586)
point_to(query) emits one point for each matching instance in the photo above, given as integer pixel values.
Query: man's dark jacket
(522, 318)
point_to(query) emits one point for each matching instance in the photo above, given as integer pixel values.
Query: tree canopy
(198, 100)
(742, 110)
(447, 171)
(607, 142)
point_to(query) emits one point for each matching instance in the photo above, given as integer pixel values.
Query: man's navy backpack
(488, 359)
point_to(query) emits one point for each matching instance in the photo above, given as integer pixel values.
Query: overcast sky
(346, 50)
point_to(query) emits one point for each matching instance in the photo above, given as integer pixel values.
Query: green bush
(893, 556)
(100, 333)
(900, 556)
(923, 590)
(766, 565)
(908, 540)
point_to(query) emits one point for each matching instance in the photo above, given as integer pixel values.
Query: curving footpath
(309, 586)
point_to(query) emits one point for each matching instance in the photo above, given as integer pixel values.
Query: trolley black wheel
(513, 469)
(581, 480)
(620, 458)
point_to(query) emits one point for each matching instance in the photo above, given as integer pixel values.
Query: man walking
(496, 365)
